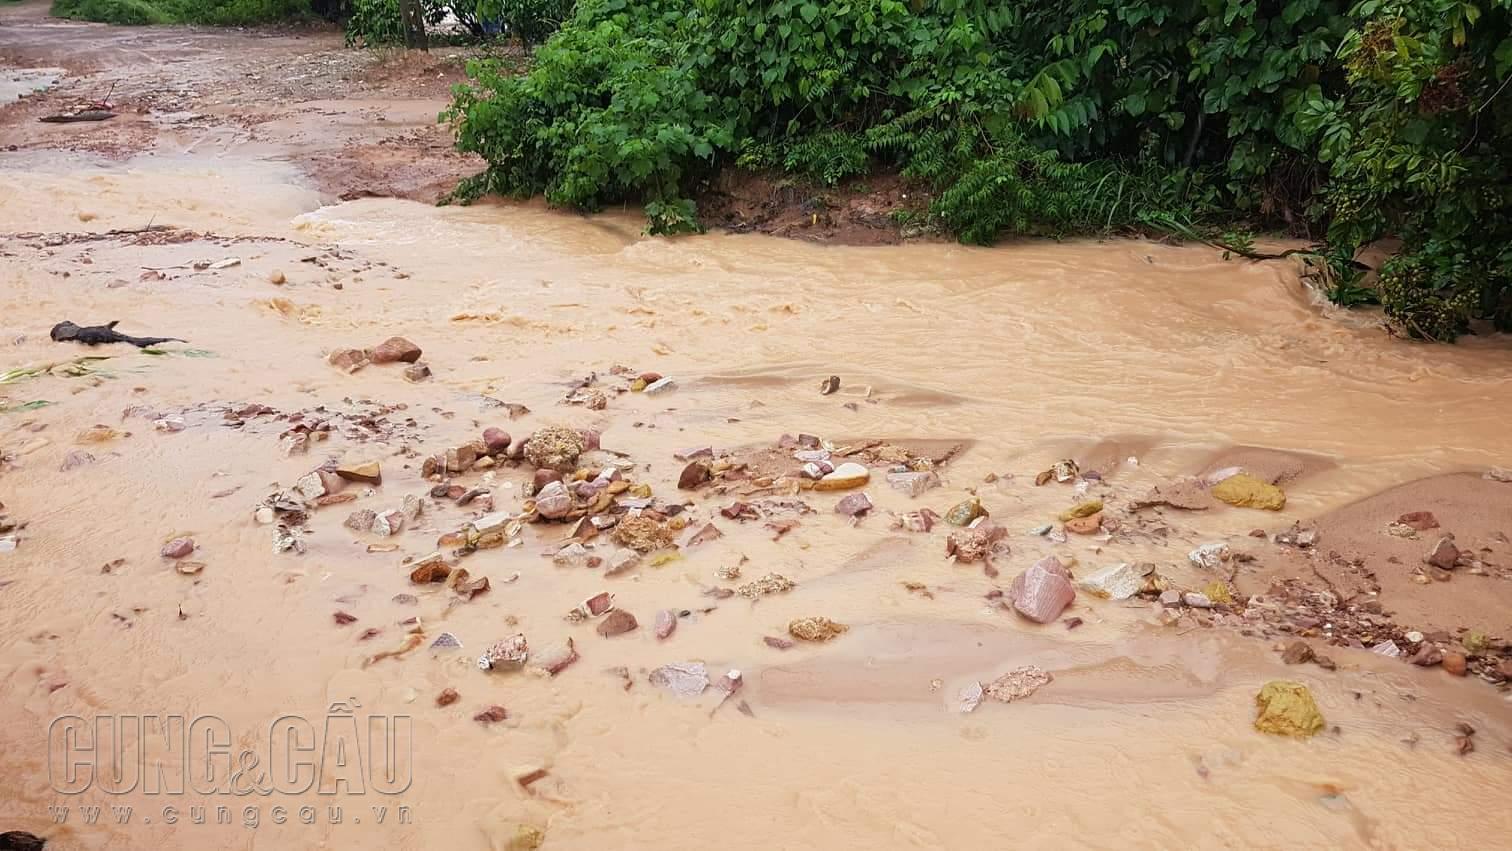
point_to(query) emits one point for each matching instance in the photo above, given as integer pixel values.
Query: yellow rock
(1246, 491)
(1218, 592)
(1082, 509)
(526, 838)
(1287, 709)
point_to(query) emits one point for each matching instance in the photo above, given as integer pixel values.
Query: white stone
(661, 385)
(847, 475)
(310, 486)
(913, 484)
(492, 522)
(572, 555)
(1117, 582)
(1209, 556)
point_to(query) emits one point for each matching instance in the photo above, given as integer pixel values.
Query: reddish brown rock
(544, 477)
(1189, 494)
(395, 350)
(348, 360)
(491, 715)
(616, 622)
(1297, 652)
(1444, 553)
(495, 440)
(1088, 525)
(447, 697)
(693, 475)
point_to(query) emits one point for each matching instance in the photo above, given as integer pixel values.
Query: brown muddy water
(1144, 358)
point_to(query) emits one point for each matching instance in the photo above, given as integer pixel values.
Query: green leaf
(1503, 56)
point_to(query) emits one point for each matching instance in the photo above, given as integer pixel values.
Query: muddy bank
(356, 123)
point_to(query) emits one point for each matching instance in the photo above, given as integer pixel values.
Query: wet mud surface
(1148, 366)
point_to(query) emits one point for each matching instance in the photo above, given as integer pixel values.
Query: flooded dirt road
(1143, 362)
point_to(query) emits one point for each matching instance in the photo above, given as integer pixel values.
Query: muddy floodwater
(1141, 360)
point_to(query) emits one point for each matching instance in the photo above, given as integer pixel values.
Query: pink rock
(855, 505)
(1043, 591)
(178, 548)
(553, 502)
(666, 623)
(591, 439)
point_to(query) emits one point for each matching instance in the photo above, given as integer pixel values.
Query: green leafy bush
(211, 12)
(377, 22)
(1023, 116)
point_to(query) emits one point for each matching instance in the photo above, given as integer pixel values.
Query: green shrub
(122, 12)
(377, 22)
(1023, 116)
(211, 12)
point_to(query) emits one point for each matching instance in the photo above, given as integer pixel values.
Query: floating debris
(512, 652)
(1018, 683)
(772, 583)
(1061, 471)
(816, 629)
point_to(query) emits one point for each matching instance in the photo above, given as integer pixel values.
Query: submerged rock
(684, 679)
(615, 623)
